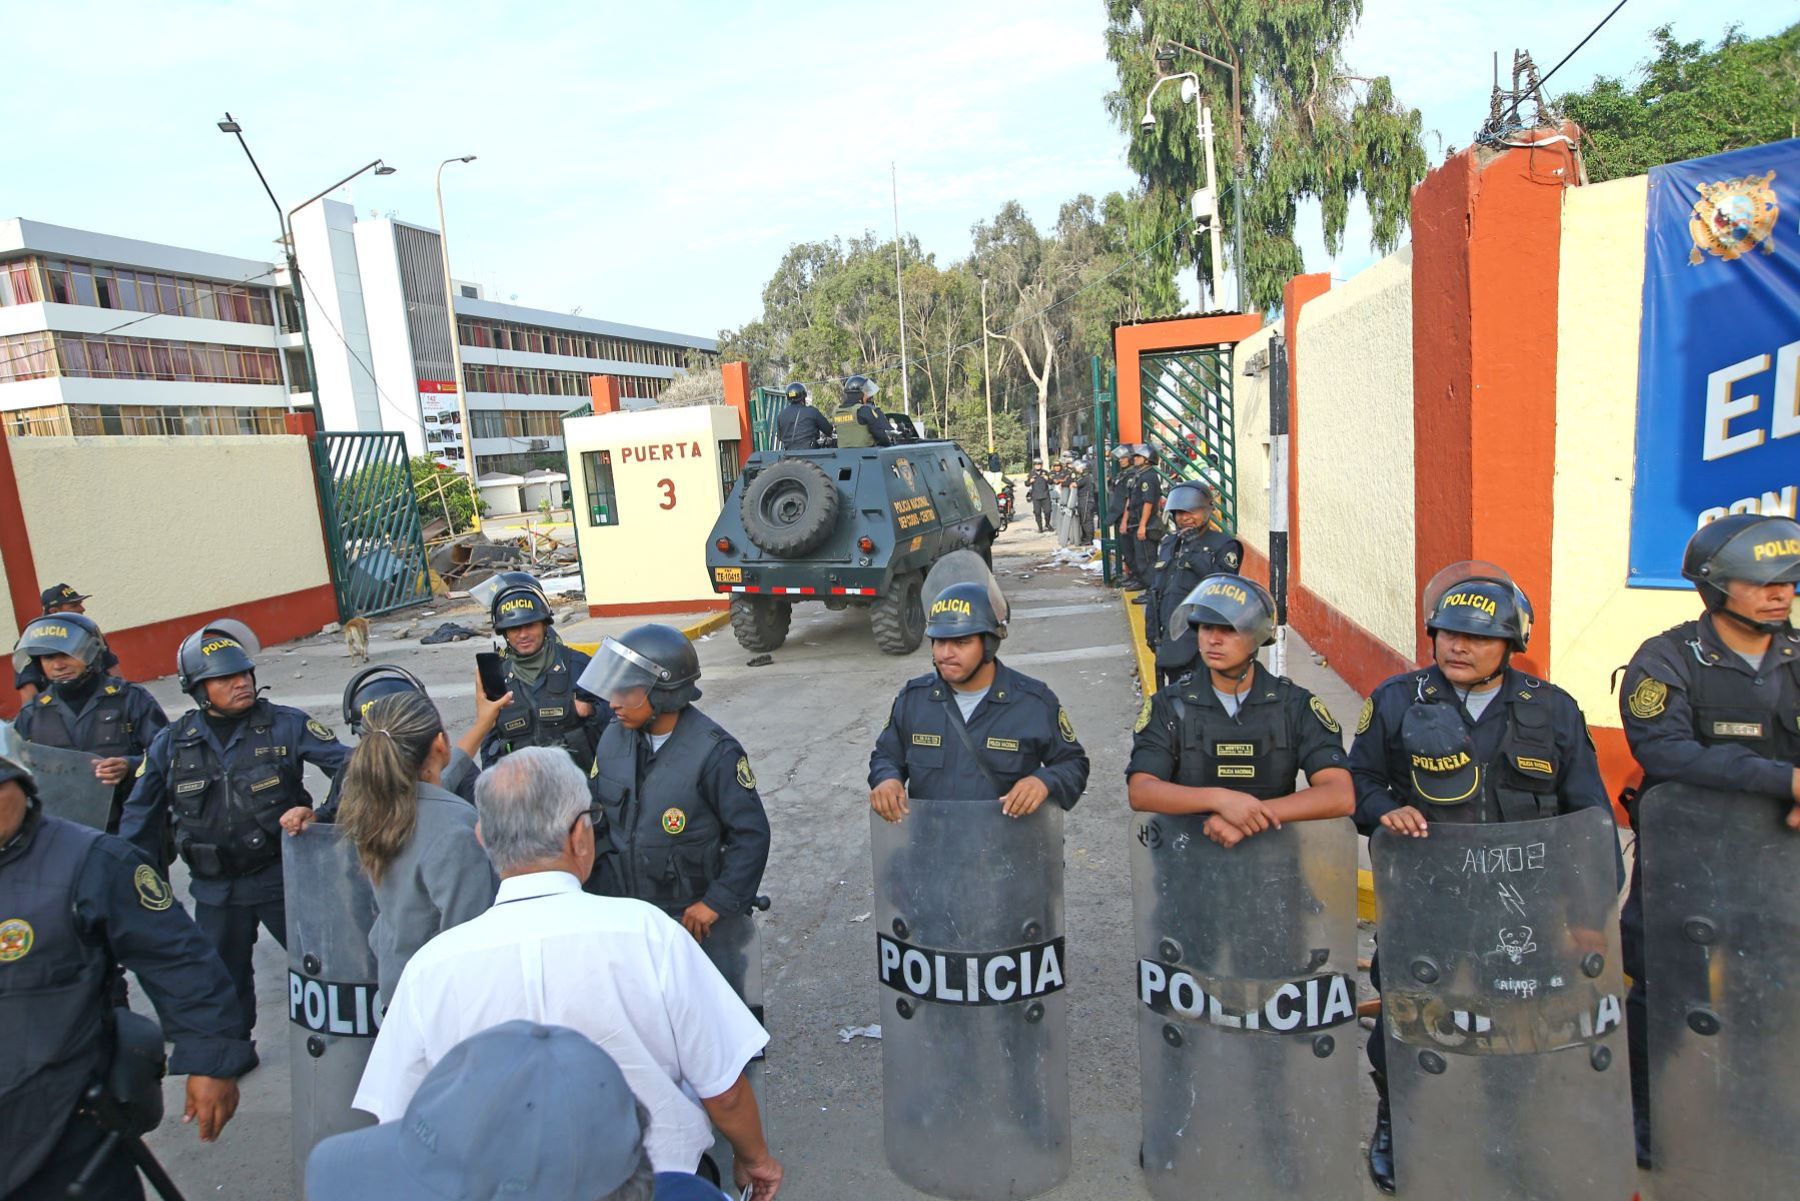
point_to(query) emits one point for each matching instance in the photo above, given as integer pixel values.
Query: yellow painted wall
(654, 555)
(9, 629)
(1598, 621)
(1356, 449)
(1250, 419)
(158, 528)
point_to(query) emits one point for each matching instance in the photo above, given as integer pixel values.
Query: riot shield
(67, 786)
(970, 964)
(334, 1006)
(1722, 963)
(735, 948)
(1502, 988)
(1246, 986)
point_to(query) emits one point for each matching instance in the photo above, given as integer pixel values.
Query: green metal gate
(765, 407)
(1106, 436)
(1187, 413)
(371, 523)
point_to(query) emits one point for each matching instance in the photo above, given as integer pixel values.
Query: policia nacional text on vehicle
(226, 779)
(1713, 703)
(1468, 739)
(548, 707)
(76, 903)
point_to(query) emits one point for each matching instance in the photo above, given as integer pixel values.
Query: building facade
(104, 335)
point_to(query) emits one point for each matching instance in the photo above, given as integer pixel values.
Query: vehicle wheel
(985, 548)
(898, 619)
(790, 508)
(760, 622)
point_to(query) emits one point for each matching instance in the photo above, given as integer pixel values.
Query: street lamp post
(462, 402)
(1206, 197)
(1237, 139)
(987, 371)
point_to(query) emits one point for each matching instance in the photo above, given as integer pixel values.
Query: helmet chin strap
(1750, 623)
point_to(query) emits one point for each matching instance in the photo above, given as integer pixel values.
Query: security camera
(1149, 121)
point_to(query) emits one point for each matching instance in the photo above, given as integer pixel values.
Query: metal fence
(371, 523)
(1187, 410)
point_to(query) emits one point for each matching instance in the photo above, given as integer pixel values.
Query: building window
(728, 466)
(94, 356)
(144, 420)
(537, 339)
(96, 285)
(602, 500)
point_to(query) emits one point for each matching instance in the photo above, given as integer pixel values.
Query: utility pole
(987, 372)
(900, 287)
(1278, 499)
(462, 399)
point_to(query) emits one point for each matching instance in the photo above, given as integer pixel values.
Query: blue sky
(651, 163)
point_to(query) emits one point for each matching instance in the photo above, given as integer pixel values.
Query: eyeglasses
(593, 815)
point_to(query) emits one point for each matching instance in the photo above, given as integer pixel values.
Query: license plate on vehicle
(728, 575)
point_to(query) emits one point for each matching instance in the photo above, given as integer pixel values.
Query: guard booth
(645, 487)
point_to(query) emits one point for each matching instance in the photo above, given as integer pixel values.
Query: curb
(1146, 672)
(707, 625)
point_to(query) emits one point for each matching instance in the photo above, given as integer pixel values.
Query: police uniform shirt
(1381, 766)
(802, 427)
(143, 720)
(1146, 490)
(296, 740)
(69, 897)
(1157, 746)
(1019, 729)
(1182, 561)
(872, 419)
(1120, 494)
(1695, 712)
(524, 712)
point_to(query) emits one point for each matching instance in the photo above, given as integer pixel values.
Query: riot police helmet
(1122, 451)
(15, 760)
(72, 634)
(370, 685)
(798, 392)
(962, 610)
(1189, 496)
(658, 659)
(1751, 547)
(513, 599)
(860, 388)
(1223, 599)
(1480, 599)
(212, 652)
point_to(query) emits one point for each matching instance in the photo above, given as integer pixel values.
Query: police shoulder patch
(152, 890)
(745, 776)
(1648, 699)
(1324, 715)
(1065, 725)
(319, 729)
(1143, 718)
(1230, 558)
(16, 937)
(1366, 716)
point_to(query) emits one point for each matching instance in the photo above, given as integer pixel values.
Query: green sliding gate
(765, 406)
(371, 523)
(1188, 419)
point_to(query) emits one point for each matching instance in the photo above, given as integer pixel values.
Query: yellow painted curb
(1365, 895)
(707, 625)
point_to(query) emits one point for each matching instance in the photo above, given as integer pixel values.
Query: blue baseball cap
(519, 1110)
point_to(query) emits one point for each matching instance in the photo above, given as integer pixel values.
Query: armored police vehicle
(847, 526)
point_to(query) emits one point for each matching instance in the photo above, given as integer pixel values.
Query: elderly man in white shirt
(617, 970)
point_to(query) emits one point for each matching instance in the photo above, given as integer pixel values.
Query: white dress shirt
(619, 971)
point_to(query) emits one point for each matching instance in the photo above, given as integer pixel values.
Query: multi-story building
(100, 334)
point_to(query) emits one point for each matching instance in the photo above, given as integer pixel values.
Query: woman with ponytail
(415, 840)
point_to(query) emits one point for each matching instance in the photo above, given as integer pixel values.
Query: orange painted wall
(1186, 333)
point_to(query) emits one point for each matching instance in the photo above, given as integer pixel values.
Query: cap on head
(1479, 599)
(370, 685)
(1741, 546)
(74, 634)
(1228, 600)
(1444, 771)
(61, 594)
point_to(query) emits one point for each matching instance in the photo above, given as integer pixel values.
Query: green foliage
(1690, 102)
(967, 426)
(437, 490)
(1311, 128)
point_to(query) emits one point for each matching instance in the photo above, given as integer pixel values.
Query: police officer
(75, 904)
(1196, 736)
(974, 727)
(1145, 507)
(1085, 501)
(227, 778)
(1469, 739)
(685, 828)
(859, 422)
(1118, 491)
(28, 680)
(83, 708)
(1712, 703)
(800, 426)
(1194, 551)
(1037, 491)
(547, 707)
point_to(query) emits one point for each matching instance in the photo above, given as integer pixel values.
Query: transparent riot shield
(67, 786)
(1246, 986)
(334, 1007)
(1722, 969)
(971, 965)
(1502, 988)
(735, 948)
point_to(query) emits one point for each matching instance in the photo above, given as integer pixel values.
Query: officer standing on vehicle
(1037, 491)
(1145, 508)
(974, 727)
(685, 828)
(1711, 703)
(1194, 551)
(77, 904)
(548, 707)
(28, 680)
(800, 426)
(858, 418)
(82, 708)
(227, 778)
(1468, 739)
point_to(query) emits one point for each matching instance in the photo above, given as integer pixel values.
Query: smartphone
(493, 675)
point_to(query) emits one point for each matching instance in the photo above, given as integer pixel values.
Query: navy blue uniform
(107, 717)
(74, 903)
(1019, 729)
(802, 427)
(1185, 736)
(223, 803)
(1145, 495)
(543, 712)
(875, 421)
(1182, 561)
(1696, 713)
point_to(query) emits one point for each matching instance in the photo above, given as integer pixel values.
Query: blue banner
(1719, 358)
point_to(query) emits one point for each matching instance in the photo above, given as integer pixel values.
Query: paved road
(808, 720)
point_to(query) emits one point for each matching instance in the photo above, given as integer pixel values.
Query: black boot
(1381, 1143)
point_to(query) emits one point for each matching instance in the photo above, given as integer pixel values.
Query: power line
(1518, 100)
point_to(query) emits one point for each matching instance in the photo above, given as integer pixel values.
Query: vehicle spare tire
(790, 508)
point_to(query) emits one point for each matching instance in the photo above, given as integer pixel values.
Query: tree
(1690, 102)
(1311, 128)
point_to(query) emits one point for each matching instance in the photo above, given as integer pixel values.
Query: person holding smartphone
(539, 673)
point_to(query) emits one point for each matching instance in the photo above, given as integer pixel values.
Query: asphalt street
(808, 720)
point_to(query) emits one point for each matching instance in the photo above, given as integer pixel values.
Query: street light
(987, 372)
(462, 402)
(1206, 198)
(1165, 58)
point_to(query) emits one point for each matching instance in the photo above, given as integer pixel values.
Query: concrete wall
(1599, 621)
(1355, 454)
(1250, 417)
